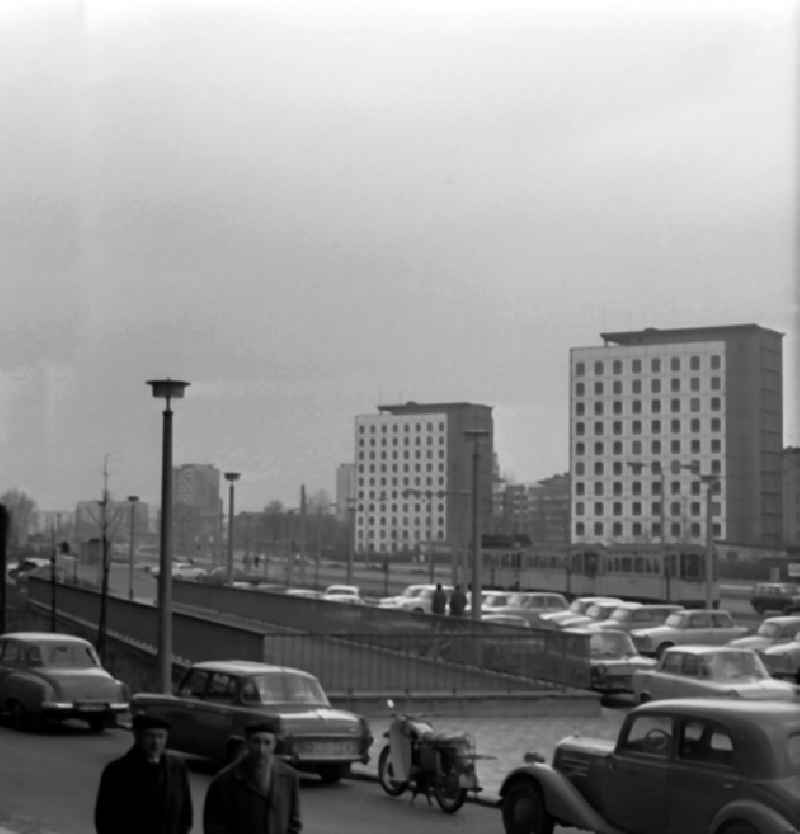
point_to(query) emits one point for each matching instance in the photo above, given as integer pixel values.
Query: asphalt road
(49, 782)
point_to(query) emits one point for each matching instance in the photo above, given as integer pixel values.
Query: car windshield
(610, 645)
(731, 666)
(674, 621)
(620, 615)
(284, 688)
(495, 600)
(61, 655)
(577, 606)
(412, 591)
(601, 612)
(768, 630)
(342, 590)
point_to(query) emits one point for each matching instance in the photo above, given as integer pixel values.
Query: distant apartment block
(791, 497)
(419, 447)
(345, 489)
(539, 510)
(658, 401)
(197, 509)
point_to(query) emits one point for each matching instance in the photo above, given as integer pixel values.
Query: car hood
(575, 620)
(653, 631)
(78, 684)
(753, 642)
(783, 649)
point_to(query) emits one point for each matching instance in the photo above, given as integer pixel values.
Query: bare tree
(21, 509)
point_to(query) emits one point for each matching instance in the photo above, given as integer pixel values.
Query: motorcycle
(418, 759)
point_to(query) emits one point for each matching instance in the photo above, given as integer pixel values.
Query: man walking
(145, 790)
(257, 794)
(458, 602)
(439, 600)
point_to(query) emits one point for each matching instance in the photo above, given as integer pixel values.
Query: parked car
(491, 601)
(423, 601)
(683, 628)
(771, 632)
(216, 700)
(632, 616)
(342, 593)
(307, 593)
(597, 613)
(698, 766)
(710, 671)
(783, 660)
(532, 604)
(182, 570)
(410, 592)
(775, 596)
(52, 676)
(613, 659)
(576, 608)
(506, 619)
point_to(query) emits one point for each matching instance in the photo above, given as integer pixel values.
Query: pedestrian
(458, 602)
(146, 790)
(256, 794)
(439, 600)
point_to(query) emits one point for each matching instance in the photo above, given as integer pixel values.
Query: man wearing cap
(145, 790)
(258, 793)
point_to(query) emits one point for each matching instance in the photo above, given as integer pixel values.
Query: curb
(494, 804)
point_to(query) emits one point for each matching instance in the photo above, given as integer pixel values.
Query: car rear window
(61, 655)
(284, 688)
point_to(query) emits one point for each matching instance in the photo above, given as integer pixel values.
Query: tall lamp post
(637, 468)
(132, 499)
(231, 478)
(476, 435)
(166, 389)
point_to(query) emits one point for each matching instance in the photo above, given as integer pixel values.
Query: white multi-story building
(650, 409)
(413, 470)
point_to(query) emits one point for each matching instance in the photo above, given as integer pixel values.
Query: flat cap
(150, 722)
(263, 725)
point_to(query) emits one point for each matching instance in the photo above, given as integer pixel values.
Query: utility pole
(319, 546)
(3, 566)
(53, 578)
(101, 625)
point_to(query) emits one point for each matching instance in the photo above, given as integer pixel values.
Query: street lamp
(476, 435)
(231, 478)
(637, 466)
(132, 499)
(166, 389)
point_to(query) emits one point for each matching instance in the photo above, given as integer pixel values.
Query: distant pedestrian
(145, 790)
(439, 600)
(458, 602)
(257, 794)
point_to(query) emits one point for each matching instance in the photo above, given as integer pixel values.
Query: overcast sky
(309, 208)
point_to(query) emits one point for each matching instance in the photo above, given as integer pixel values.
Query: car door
(703, 778)
(9, 663)
(214, 716)
(724, 628)
(635, 796)
(700, 629)
(666, 680)
(183, 714)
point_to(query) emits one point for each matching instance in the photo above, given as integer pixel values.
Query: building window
(598, 408)
(637, 427)
(655, 365)
(598, 448)
(675, 467)
(695, 530)
(617, 487)
(636, 406)
(580, 528)
(580, 508)
(617, 407)
(598, 487)
(598, 528)
(580, 429)
(695, 489)
(694, 425)
(598, 468)
(617, 427)
(636, 508)
(598, 508)
(617, 447)
(655, 426)
(716, 424)
(598, 368)
(716, 403)
(636, 487)
(655, 529)
(636, 366)
(655, 406)
(716, 466)
(618, 508)
(716, 362)
(694, 363)
(617, 528)
(675, 406)
(675, 426)
(617, 468)
(716, 530)
(716, 446)
(695, 508)
(655, 487)
(598, 427)
(675, 529)
(694, 404)
(617, 366)
(675, 447)
(580, 488)
(580, 390)
(675, 385)
(694, 383)
(636, 386)
(675, 508)
(636, 529)
(617, 387)
(655, 447)
(580, 468)
(655, 508)
(675, 363)
(636, 447)
(655, 386)
(695, 447)
(675, 487)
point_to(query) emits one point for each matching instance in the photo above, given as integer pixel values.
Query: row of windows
(429, 467)
(398, 534)
(395, 522)
(617, 508)
(618, 427)
(396, 428)
(636, 447)
(617, 366)
(617, 529)
(655, 386)
(617, 467)
(396, 441)
(399, 482)
(637, 406)
(405, 508)
(406, 455)
(676, 488)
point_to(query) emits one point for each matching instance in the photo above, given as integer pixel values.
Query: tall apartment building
(421, 447)
(345, 488)
(650, 403)
(539, 510)
(791, 497)
(197, 509)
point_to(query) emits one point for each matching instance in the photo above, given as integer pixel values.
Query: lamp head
(168, 388)
(232, 476)
(133, 498)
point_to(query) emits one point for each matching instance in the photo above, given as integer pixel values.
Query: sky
(306, 209)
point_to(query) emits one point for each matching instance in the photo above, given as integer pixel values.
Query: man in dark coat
(145, 790)
(258, 793)
(439, 600)
(458, 602)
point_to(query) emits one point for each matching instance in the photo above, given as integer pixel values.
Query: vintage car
(407, 594)
(783, 659)
(702, 766)
(710, 671)
(597, 613)
(613, 659)
(349, 594)
(576, 608)
(422, 602)
(217, 699)
(532, 605)
(775, 596)
(506, 619)
(685, 628)
(54, 677)
(771, 632)
(633, 616)
(491, 601)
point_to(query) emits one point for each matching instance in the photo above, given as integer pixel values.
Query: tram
(672, 573)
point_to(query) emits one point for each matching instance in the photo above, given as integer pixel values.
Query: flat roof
(638, 337)
(412, 407)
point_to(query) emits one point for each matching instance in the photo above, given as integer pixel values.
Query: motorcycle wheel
(392, 786)
(450, 799)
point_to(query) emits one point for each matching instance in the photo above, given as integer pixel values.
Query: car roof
(709, 649)
(42, 636)
(763, 710)
(245, 667)
(783, 619)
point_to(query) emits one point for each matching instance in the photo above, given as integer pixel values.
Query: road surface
(49, 782)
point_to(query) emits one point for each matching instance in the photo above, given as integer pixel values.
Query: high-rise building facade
(345, 489)
(539, 510)
(650, 406)
(791, 497)
(422, 448)
(197, 509)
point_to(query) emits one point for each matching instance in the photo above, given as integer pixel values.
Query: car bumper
(308, 752)
(84, 710)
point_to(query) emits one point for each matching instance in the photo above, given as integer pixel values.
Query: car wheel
(97, 723)
(524, 812)
(662, 648)
(331, 774)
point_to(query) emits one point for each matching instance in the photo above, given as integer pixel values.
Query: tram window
(626, 564)
(638, 564)
(690, 566)
(616, 564)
